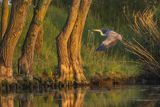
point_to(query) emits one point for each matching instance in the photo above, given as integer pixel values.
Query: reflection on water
(7, 101)
(126, 96)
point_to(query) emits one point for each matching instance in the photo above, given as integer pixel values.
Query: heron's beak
(96, 30)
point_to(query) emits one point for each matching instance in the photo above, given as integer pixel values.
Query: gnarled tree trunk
(65, 69)
(25, 62)
(68, 44)
(39, 42)
(4, 17)
(75, 43)
(12, 34)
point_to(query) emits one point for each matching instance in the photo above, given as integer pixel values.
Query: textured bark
(26, 59)
(39, 42)
(75, 42)
(83, 14)
(12, 34)
(4, 17)
(66, 74)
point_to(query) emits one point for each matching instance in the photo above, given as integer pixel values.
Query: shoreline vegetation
(46, 83)
(57, 49)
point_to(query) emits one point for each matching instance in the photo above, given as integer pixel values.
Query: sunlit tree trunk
(65, 69)
(26, 59)
(12, 34)
(68, 45)
(75, 43)
(4, 17)
(39, 42)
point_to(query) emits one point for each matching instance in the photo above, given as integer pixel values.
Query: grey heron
(111, 38)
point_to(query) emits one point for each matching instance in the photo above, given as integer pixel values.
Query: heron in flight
(111, 38)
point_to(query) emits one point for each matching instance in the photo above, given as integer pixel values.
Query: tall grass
(146, 42)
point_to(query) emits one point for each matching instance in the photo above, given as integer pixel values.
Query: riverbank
(147, 78)
(45, 83)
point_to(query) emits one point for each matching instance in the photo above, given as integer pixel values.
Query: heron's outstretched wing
(109, 41)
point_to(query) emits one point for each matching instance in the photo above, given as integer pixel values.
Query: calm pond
(124, 96)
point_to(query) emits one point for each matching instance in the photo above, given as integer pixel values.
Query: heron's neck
(102, 34)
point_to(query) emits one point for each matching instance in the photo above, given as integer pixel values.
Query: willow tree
(26, 59)
(69, 57)
(11, 36)
(4, 17)
(64, 66)
(75, 42)
(39, 42)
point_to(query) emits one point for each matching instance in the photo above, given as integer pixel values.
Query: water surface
(124, 96)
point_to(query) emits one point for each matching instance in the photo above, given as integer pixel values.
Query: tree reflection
(26, 100)
(72, 97)
(152, 99)
(7, 100)
(120, 97)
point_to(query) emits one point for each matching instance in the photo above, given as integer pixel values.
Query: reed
(145, 44)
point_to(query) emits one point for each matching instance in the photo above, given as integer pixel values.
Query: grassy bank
(114, 62)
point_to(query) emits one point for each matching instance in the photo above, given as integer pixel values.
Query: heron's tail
(124, 41)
